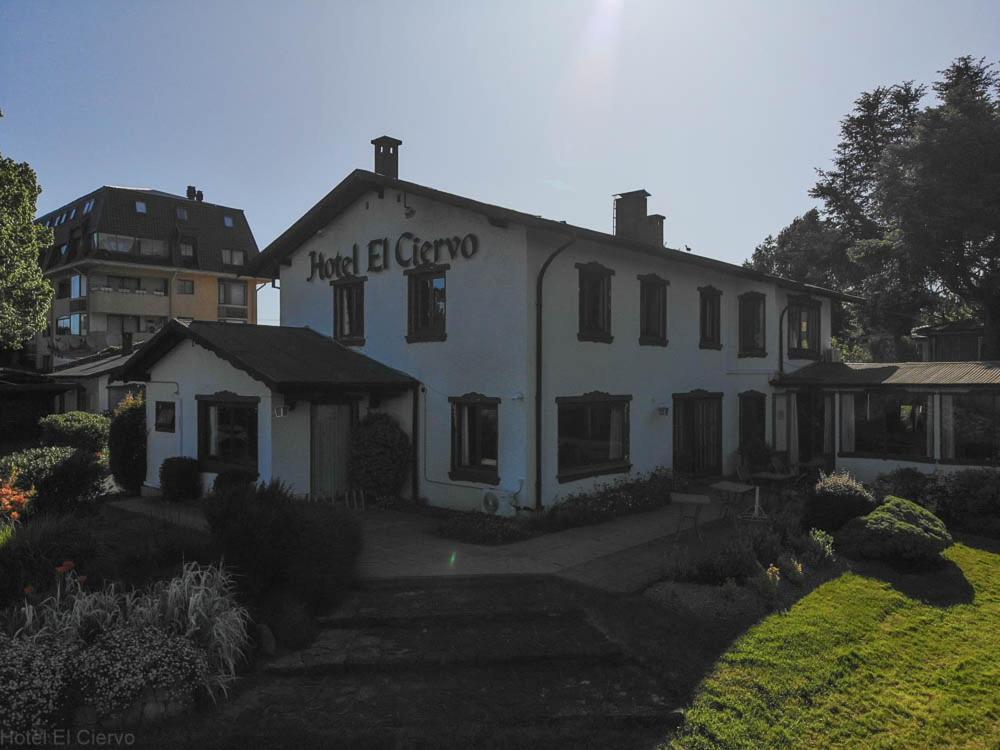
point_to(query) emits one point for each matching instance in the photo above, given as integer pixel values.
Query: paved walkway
(623, 555)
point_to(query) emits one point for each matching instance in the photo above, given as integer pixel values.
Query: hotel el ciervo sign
(409, 251)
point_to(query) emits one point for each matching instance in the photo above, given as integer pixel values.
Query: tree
(25, 294)
(942, 189)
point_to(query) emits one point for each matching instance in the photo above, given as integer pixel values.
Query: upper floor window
(78, 286)
(232, 293)
(803, 328)
(427, 303)
(475, 438)
(233, 257)
(185, 286)
(710, 317)
(116, 243)
(88, 206)
(157, 248)
(349, 310)
(652, 310)
(72, 214)
(228, 221)
(752, 325)
(72, 325)
(182, 213)
(140, 207)
(62, 218)
(187, 249)
(63, 288)
(595, 302)
(156, 286)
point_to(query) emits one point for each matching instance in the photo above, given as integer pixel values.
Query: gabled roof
(92, 367)
(114, 212)
(285, 358)
(360, 182)
(849, 374)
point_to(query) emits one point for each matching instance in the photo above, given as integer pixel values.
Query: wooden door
(698, 434)
(330, 429)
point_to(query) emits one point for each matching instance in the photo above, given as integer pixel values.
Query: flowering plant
(14, 502)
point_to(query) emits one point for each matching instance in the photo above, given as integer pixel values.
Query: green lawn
(858, 664)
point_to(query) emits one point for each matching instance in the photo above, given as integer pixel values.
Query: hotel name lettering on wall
(409, 251)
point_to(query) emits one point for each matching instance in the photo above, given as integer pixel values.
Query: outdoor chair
(690, 511)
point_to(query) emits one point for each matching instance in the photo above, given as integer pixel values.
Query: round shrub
(64, 479)
(127, 443)
(231, 479)
(117, 669)
(379, 455)
(180, 479)
(33, 550)
(77, 429)
(34, 683)
(835, 500)
(897, 531)
(969, 499)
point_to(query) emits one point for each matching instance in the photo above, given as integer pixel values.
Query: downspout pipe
(539, 294)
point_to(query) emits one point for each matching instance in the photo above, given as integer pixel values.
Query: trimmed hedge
(180, 479)
(897, 531)
(835, 500)
(76, 429)
(908, 483)
(379, 453)
(480, 528)
(607, 502)
(969, 500)
(233, 479)
(127, 443)
(64, 478)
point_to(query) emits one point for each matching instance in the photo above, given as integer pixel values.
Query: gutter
(539, 294)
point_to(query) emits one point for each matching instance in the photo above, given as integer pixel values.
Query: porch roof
(854, 374)
(285, 358)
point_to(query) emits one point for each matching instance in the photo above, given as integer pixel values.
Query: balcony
(233, 312)
(104, 299)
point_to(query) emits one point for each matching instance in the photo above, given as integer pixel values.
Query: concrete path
(623, 555)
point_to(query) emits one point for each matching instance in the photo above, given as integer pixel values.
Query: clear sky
(721, 110)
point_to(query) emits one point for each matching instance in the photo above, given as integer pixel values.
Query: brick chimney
(387, 156)
(631, 221)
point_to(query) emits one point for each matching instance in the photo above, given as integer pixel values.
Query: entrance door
(698, 433)
(330, 427)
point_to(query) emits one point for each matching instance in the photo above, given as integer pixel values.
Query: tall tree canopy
(910, 216)
(941, 188)
(25, 294)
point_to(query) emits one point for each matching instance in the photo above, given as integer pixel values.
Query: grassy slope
(859, 664)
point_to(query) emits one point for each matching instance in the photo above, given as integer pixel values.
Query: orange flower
(66, 567)
(29, 589)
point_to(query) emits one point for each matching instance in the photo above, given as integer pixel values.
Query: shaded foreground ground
(480, 662)
(871, 659)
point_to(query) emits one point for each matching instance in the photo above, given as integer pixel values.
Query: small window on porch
(969, 430)
(475, 438)
(349, 310)
(886, 424)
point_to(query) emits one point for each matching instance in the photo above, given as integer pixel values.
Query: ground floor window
(886, 423)
(475, 438)
(227, 433)
(753, 418)
(166, 416)
(593, 435)
(969, 432)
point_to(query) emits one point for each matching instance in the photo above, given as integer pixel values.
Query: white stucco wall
(490, 340)
(184, 373)
(487, 314)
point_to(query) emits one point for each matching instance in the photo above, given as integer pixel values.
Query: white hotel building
(523, 355)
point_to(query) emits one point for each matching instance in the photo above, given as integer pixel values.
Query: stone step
(556, 637)
(464, 601)
(503, 696)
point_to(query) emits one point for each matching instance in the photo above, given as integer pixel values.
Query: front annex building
(527, 356)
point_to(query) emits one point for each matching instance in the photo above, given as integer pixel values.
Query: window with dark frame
(63, 289)
(595, 302)
(185, 286)
(427, 303)
(753, 327)
(232, 293)
(166, 416)
(652, 310)
(227, 433)
(971, 434)
(593, 434)
(710, 318)
(349, 310)
(803, 328)
(475, 438)
(885, 424)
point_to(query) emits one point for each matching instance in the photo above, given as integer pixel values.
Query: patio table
(731, 494)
